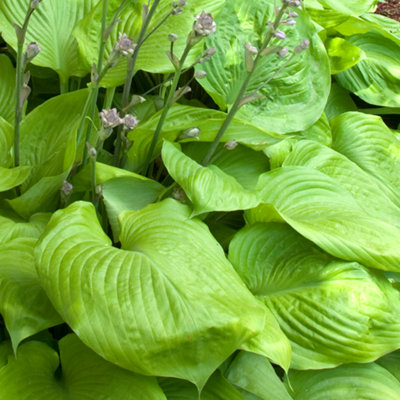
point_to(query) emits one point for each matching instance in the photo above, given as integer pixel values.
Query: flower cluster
(110, 118)
(125, 44)
(205, 24)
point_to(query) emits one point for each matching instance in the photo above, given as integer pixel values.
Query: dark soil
(389, 8)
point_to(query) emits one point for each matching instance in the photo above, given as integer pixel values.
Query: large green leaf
(12, 226)
(128, 193)
(367, 141)
(36, 373)
(209, 188)
(6, 141)
(152, 55)
(10, 178)
(51, 27)
(23, 304)
(339, 102)
(299, 91)
(7, 88)
(254, 374)
(332, 311)
(48, 144)
(348, 382)
(327, 214)
(209, 121)
(351, 7)
(369, 192)
(376, 78)
(342, 54)
(142, 306)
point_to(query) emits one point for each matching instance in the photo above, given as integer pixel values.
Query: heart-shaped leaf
(142, 306)
(332, 311)
(209, 188)
(7, 88)
(36, 374)
(23, 304)
(327, 214)
(300, 90)
(51, 26)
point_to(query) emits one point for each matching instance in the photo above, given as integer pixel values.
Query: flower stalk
(251, 67)
(21, 85)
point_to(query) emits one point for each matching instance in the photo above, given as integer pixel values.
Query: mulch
(389, 8)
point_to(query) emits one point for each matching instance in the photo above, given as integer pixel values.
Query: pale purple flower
(304, 45)
(290, 22)
(231, 144)
(283, 53)
(130, 122)
(125, 44)
(110, 118)
(280, 35)
(32, 50)
(205, 24)
(200, 74)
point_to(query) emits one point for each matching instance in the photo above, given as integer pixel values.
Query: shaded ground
(389, 8)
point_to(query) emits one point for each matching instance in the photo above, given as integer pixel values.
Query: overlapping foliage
(139, 262)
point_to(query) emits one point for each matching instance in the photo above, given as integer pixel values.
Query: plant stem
(167, 105)
(129, 76)
(64, 85)
(21, 33)
(236, 105)
(109, 98)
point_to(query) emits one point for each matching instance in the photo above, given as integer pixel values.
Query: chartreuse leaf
(327, 214)
(36, 373)
(59, 49)
(12, 226)
(339, 102)
(209, 188)
(391, 362)
(271, 343)
(128, 193)
(299, 90)
(48, 144)
(376, 78)
(7, 89)
(141, 306)
(367, 141)
(23, 304)
(370, 193)
(216, 388)
(255, 375)
(342, 54)
(209, 121)
(152, 56)
(348, 382)
(9, 178)
(5, 352)
(104, 172)
(6, 141)
(351, 7)
(332, 311)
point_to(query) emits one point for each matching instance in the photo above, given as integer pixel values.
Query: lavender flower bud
(304, 45)
(35, 4)
(292, 3)
(32, 50)
(231, 144)
(290, 22)
(293, 14)
(283, 53)
(205, 24)
(250, 48)
(190, 133)
(91, 151)
(210, 52)
(172, 37)
(110, 118)
(130, 122)
(125, 44)
(200, 74)
(66, 189)
(280, 35)
(249, 52)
